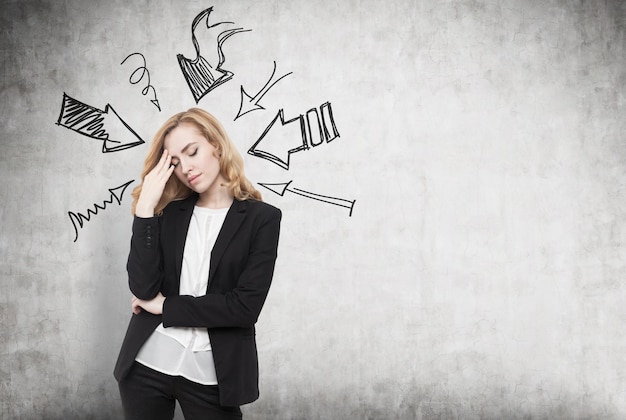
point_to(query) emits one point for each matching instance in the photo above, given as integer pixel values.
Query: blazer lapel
(233, 220)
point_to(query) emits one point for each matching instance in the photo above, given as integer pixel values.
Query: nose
(184, 167)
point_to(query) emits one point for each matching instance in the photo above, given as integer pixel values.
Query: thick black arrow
(98, 124)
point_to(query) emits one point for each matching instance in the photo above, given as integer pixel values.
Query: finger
(166, 171)
(164, 155)
(161, 163)
(162, 170)
(167, 167)
(170, 170)
(135, 306)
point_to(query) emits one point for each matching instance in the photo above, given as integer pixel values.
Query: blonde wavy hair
(231, 162)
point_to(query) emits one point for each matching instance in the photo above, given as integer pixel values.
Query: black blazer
(241, 270)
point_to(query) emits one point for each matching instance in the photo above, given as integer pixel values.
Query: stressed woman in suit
(201, 261)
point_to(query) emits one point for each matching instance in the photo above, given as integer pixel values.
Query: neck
(219, 199)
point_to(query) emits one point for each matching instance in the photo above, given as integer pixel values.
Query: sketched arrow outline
(281, 188)
(255, 151)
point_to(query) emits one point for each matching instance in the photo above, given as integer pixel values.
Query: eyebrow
(185, 148)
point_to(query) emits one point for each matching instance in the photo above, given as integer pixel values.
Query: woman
(201, 261)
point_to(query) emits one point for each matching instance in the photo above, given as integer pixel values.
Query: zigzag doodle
(81, 218)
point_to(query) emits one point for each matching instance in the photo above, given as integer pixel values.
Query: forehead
(181, 136)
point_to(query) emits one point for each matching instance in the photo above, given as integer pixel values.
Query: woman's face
(196, 161)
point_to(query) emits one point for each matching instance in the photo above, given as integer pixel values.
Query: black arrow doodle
(251, 103)
(144, 72)
(203, 75)
(282, 187)
(98, 124)
(317, 127)
(281, 156)
(116, 194)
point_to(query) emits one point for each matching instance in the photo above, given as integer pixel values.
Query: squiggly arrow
(116, 193)
(142, 71)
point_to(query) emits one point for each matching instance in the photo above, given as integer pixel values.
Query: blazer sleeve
(144, 266)
(241, 306)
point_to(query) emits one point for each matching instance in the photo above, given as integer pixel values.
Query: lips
(193, 179)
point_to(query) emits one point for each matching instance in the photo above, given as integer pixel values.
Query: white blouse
(186, 351)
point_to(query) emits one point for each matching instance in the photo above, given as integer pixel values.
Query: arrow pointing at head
(316, 127)
(79, 219)
(283, 187)
(98, 124)
(275, 150)
(251, 103)
(205, 74)
(118, 192)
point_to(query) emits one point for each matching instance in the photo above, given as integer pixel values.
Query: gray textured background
(481, 274)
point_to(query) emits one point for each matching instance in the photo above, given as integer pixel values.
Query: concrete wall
(469, 262)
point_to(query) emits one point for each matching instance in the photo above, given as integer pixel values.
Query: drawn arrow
(116, 193)
(204, 75)
(251, 103)
(98, 124)
(317, 126)
(281, 155)
(283, 187)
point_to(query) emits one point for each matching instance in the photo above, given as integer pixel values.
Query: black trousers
(151, 395)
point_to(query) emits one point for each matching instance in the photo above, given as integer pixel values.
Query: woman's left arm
(241, 306)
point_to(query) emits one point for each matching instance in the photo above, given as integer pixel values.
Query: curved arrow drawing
(98, 124)
(202, 75)
(251, 103)
(142, 71)
(116, 193)
(282, 187)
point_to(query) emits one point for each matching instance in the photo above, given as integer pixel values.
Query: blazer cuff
(146, 231)
(168, 316)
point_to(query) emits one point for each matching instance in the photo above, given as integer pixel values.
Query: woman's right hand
(153, 185)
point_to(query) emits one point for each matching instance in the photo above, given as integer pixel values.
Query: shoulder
(259, 208)
(175, 207)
